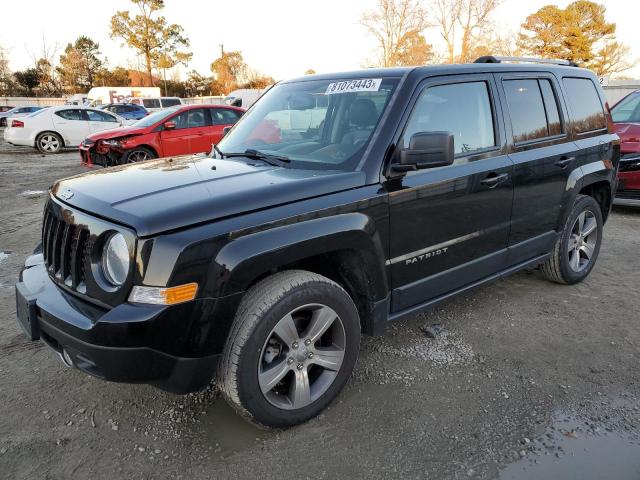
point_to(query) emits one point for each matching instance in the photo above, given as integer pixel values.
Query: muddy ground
(527, 379)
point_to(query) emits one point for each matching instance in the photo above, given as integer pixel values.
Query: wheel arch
(600, 190)
(35, 139)
(345, 248)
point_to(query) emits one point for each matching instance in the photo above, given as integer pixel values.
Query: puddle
(575, 448)
(32, 193)
(227, 432)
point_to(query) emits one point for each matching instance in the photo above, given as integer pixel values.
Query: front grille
(65, 252)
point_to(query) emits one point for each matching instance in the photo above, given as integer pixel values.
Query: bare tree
(470, 19)
(394, 23)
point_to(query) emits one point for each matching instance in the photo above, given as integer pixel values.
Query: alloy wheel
(138, 156)
(49, 143)
(302, 356)
(582, 241)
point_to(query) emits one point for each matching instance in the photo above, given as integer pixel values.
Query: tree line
(159, 44)
(467, 28)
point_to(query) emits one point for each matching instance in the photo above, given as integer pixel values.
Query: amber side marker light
(164, 295)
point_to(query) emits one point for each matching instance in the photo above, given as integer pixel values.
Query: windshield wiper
(271, 159)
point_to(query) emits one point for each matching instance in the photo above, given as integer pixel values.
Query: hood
(170, 193)
(117, 132)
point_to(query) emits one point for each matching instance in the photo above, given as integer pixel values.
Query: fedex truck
(102, 95)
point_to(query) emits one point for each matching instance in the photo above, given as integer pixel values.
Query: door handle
(564, 162)
(493, 179)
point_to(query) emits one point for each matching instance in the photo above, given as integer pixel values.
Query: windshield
(155, 117)
(317, 124)
(628, 110)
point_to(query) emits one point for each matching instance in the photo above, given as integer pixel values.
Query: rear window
(533, 109)
(588, 114)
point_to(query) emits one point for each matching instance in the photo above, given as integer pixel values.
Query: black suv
(337, 204)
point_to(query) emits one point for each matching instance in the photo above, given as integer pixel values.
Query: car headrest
(363, 113)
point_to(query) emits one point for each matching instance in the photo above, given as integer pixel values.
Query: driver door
(451, 224)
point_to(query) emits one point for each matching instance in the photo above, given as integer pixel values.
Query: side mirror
(426, 150)
(225, 130)
(169, 125)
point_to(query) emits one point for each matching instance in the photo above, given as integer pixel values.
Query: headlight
(115, 259)
(111, 143)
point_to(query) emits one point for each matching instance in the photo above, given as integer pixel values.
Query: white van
(156, 103)
(244, 97)
(104, 95)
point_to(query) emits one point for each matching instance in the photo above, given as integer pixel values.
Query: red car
(626, 118)
(174, 131)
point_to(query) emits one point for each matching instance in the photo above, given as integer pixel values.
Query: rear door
(221, 118)
(99, 121)
(450, 225)
(72, 124)
(543, 156)
(191, 134)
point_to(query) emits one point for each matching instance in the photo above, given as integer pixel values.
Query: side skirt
(429, 304)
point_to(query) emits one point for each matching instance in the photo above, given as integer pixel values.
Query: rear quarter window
(586, 107)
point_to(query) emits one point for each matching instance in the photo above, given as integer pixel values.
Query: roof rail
(553, 61)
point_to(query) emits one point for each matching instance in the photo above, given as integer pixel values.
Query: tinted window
(463, 109)
(223, 116)
(190, 119)
(151, 102)
(588, 114)
(551, 107)
(71, 114)
(533, 109)
(95, 116)
(526, 109)
(170, 102)
(628, 110)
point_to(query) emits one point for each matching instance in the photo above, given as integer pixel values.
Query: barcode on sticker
(348, 86)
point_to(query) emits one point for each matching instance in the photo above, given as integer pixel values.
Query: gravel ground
(525, 379)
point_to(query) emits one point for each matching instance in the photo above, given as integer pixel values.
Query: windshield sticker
(348, 86)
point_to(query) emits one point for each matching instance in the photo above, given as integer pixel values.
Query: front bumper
(105, 343)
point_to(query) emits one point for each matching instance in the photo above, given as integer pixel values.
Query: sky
(280, 38)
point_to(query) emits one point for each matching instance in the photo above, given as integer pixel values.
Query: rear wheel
(49, 142)
(576, 251)
(292, 347)
(140, 154)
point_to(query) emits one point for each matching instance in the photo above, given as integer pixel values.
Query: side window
(151, 102)
(223, 116)
(74, 114)
(588, 113)
(170, 102)
(463, 109)
(190, 119)
(533, 109)
(96, 116)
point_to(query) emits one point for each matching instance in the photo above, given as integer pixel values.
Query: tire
(563, 266)
(49, 142)
(301, 388)
(140, 154)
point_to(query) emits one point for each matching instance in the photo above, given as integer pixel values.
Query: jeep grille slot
(64, 250)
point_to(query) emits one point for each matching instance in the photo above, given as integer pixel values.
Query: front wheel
(139, 154)
(577, 248)
(291, 349)
(49, 142)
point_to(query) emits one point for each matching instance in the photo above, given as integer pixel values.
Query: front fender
(251, 256)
